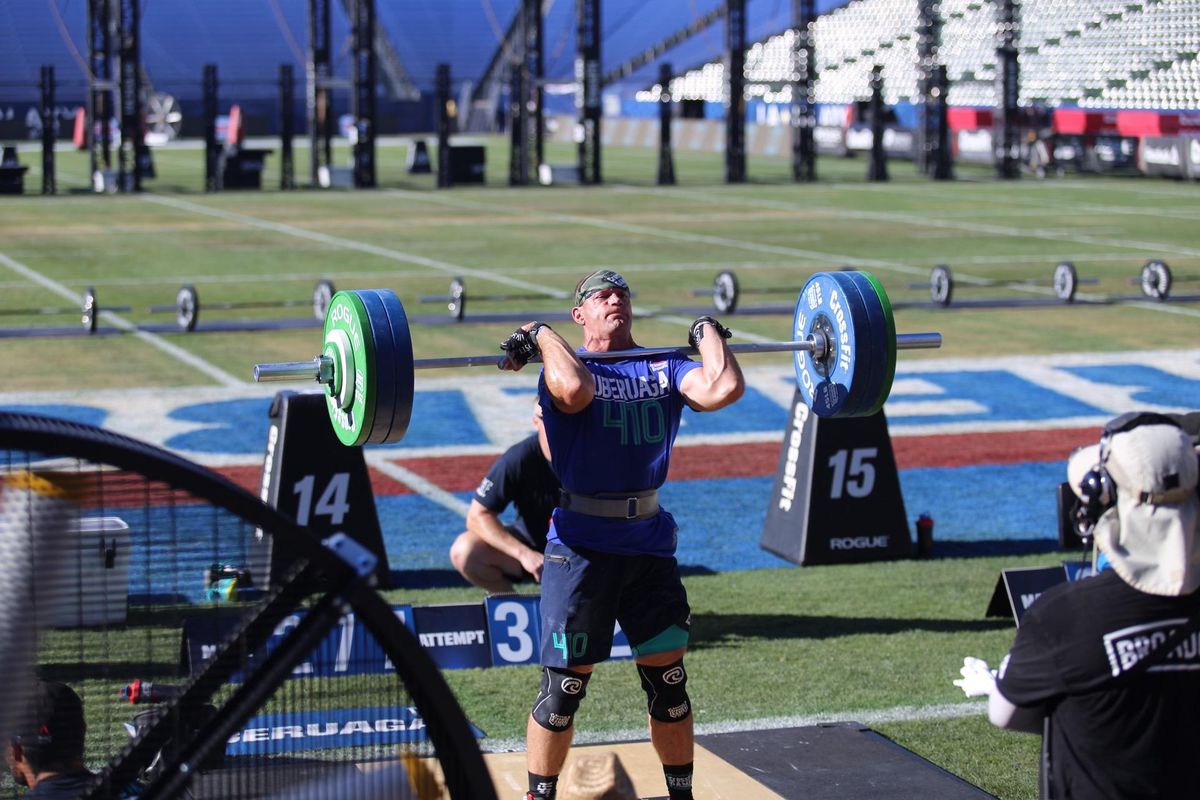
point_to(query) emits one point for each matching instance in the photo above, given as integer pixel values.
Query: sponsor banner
(295, 731)
(348, 649)
(502, 631)
(1191, 153)
(975, 145)
(897, 142)
(1162, 155)
(454, 635)
(1115, 153)
(830, 140)
(1017, 589)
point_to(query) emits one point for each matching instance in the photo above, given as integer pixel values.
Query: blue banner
(502, 631)
(348, 649)
(293, 731)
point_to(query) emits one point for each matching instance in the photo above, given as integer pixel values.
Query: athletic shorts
(584, 592)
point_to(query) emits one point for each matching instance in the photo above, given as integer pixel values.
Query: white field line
(1027, 194)
(974, 227)
(932, 222)
(1162, 191)
(426, 488)
(774, 249)
(866, 717)
(554, 269)
(689, 238)
(444, 267)
(178, 353)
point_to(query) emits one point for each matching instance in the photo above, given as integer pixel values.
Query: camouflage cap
(598, 281)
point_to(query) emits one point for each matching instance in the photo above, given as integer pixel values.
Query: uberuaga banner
(1163, 155)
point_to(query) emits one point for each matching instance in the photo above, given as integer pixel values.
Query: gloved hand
(521, 345)
(977, 680)
(697, 331)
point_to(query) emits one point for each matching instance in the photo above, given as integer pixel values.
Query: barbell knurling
(320, 368)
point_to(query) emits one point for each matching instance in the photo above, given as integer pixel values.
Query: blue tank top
(620, 443)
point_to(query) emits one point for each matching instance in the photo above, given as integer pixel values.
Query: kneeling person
(489, 553)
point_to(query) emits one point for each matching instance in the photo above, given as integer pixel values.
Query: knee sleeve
(666, 691)
(559, 698)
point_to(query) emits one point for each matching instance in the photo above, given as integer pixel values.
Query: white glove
(977, 679)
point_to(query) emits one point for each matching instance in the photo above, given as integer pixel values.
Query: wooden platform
(843, 760)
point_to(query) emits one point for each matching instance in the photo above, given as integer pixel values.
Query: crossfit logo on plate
(814, 295)
(845, 352)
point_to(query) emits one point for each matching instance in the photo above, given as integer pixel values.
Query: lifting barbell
(844, 353)
(88, 311)
(1065, 280)
(187, 304)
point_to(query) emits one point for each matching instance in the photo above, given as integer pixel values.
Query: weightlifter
(489, 553)
(610, 552)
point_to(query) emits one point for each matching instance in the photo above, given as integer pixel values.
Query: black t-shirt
(1137, 739)
(522, 476)
(61, 787)
(71, 786)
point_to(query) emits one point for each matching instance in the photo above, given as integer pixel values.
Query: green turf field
(832, 642)
(771, 232)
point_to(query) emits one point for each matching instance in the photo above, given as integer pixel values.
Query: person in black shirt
(1111, 736)
(489, 553)
(46, 754)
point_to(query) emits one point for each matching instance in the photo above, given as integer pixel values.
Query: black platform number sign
(309, 475)
(837, 496)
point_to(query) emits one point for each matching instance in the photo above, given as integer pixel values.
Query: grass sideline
(768, 645)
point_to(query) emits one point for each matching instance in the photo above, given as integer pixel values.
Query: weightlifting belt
(636, 505)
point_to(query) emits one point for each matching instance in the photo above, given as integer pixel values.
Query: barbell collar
(321, 368)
